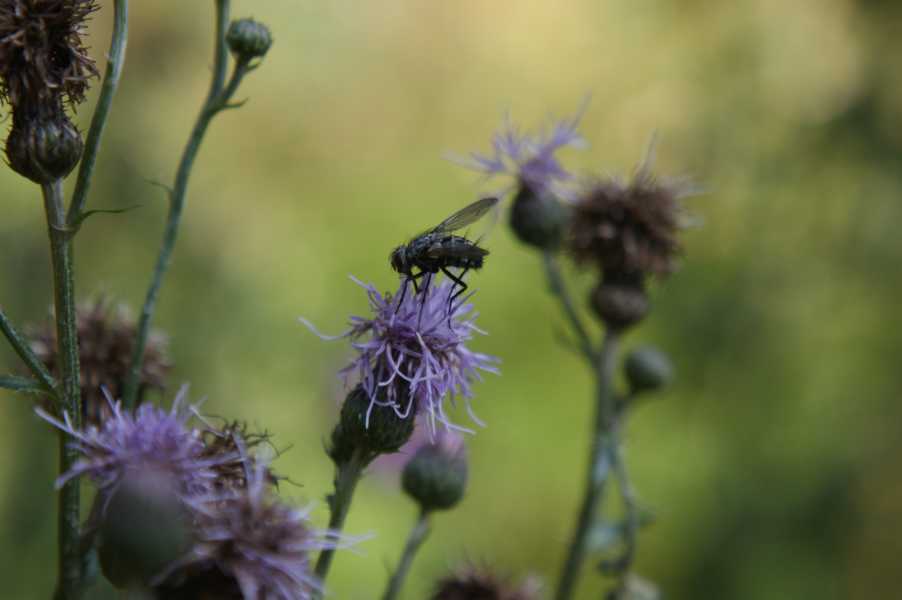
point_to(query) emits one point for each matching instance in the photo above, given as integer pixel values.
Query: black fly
(438, 250)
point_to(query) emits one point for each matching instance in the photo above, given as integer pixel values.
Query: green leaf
(108, 211)
(23, 385)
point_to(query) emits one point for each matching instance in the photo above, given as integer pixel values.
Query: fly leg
(409, 279)
(458, 281)
(425, 293)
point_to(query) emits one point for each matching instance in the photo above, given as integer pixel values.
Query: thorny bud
(369, 428)
(436, 476)
(619, 305)
(43, 150)
(647, 369)
(538, 218)
(248, 39)
(143, 527)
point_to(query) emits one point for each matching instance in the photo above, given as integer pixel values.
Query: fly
(438, 249)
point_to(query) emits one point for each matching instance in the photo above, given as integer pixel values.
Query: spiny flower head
(414, 356)
(151, 439)
(480, 583)
(248, 544)
(106, 339)
(629, 229)
(43, 60)
(529, 157)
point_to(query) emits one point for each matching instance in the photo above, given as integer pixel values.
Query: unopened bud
(248, 39)
(436, 476)
(647, 369)
(538, 218)
(43, 150)
(368, 427)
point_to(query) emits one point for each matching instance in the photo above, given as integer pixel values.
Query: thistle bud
(369, 427)
(248, 39)
(43, 150)
(619, 306)
(647, 369)
(436, 476)
(142, 529)
(538, 218)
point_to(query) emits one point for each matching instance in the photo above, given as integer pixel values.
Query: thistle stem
(217, 100)
(624, 562)
(20, 345)
(69, 557)
(115, 61)
(559, 289)
(599, 465)
(347, 475)
(414, 541)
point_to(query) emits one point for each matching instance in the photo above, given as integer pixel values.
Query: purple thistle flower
(149, 439)
(529, 157)
(247, 540)
(406, 361)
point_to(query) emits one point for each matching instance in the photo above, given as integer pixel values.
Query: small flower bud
(436, 476)
(43, 150)
(248, 39)
(368, 427)
(538, 218)
(142, 529)
(619, 306)
(647, 369)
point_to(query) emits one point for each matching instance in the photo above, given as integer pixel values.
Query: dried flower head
(106, 339)
(248, 544)
(629, 229)
(406, 359)
(480, 583)
(151, 439)
(43, 60)
(234, 439)
(529, 157)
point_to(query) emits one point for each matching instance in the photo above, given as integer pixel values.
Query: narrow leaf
(24, 385)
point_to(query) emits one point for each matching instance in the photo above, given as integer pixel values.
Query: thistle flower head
(629, 229)
(151, 439)
(248, 544)
(106, 339)
(480, 583)
(529, 157)
(412, 361)
(43, 61)
(436, 476)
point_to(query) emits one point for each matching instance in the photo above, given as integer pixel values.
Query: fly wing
(465, 216)
(456, 250)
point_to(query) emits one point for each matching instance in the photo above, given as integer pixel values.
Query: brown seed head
(43, 60)
(628, 227)
(480, 583)
(106, 337)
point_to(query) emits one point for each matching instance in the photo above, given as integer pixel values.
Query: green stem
(559, 289)
(20, 345)
(624, 562)
(414, 541)
(347, 475)
(217, 100)
(115, 61)
(599, 465)
(69, 558)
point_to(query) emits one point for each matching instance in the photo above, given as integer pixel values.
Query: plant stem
(599, 465)
(624, 562)
(216, 101)
(559, 289)
(20, 345)
(115, 61)
(414, 541)
(347, 474)
(69, 557)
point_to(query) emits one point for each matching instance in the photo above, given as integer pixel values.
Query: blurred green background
(772, 463)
